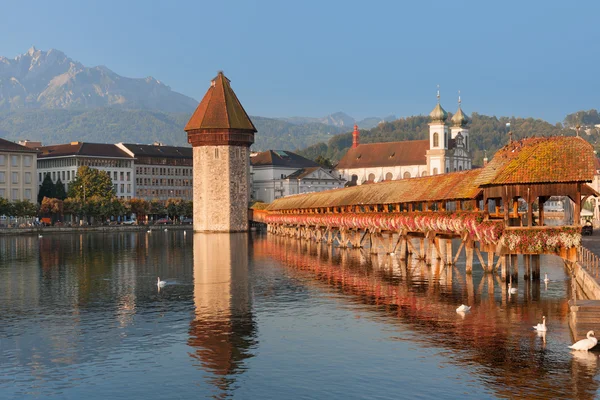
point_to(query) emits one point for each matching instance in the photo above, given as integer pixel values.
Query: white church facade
(446, 150)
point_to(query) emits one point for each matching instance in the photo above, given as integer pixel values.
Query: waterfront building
(63, 160)
(17, 172)
(161, 172)
(221, 134)
(446, 150)
(278, 173)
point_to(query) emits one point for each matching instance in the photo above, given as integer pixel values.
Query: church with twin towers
(447, 149)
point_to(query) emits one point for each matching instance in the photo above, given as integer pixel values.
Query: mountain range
(341, 120)
(51, 80)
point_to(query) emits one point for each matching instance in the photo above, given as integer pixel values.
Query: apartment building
(161, 172)
(17, 172)
(63, 160)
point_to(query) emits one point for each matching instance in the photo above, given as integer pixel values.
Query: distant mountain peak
(50, 79)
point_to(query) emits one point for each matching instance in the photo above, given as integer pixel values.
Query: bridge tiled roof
(557, 159)
(451, 186)
(535, 160)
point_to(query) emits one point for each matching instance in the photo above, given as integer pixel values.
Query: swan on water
(546, 280)
(166, 229)
(40, 236)
(541, 327)
(463, 308)
(160, 283)
(585, 344)
(149, 230)
(511, 289)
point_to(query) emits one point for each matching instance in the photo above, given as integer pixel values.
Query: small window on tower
(436, 139)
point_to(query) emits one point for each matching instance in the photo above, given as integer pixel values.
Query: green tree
(91, 182)
(24, 208)
(323, 161)
(6, 207)
(47, 189)
(59, 190)
(157, 207)
(139, 207)
(174, 207)
(72, 206)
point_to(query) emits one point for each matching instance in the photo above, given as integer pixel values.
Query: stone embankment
(89, 229)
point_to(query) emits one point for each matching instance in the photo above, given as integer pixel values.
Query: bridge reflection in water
(496, 335)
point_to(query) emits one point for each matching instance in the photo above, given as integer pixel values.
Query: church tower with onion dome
(221, 134)
(438, 140)
(461, 147)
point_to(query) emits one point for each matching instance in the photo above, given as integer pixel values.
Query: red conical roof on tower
(220, 109)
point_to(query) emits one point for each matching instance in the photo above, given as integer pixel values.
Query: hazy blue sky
(311, 58)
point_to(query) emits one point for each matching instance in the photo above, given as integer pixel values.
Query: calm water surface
(81, 317)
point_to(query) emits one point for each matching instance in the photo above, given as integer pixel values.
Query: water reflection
(495, 335)
(223, 331)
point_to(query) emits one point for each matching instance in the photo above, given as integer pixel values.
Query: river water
(249, 317)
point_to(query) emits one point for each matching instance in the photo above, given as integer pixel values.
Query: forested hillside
(113, 125)
(487, 134)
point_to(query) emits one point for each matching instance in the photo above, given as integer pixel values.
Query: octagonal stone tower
(220, 133)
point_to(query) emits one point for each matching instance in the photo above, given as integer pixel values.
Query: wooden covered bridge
(421, 216)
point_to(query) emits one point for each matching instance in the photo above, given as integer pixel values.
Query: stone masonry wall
(221, 188)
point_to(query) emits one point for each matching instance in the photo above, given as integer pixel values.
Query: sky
(312, 58)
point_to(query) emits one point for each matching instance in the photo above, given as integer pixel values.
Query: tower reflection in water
(223, 331)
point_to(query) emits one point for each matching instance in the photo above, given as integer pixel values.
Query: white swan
(585, 344)
(40, 236)
(149, 231)
(160, 283)
(541, 327)
(463, 308)
(166, 229)
(546, 280)
(511, 289)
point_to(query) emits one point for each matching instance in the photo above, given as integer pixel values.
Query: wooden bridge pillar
(449, 253)
(535, 274)
(527, 263)
(490, 262)
(514, 273)
(422, 248)
(469, 256)
(504, 265)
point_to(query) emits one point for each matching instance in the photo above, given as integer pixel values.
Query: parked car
(163, 221)
(130, 222)
(587, 229)
(187, 221)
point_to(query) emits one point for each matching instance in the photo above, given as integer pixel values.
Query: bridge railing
(589, 261)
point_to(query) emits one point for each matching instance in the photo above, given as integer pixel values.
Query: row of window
(15, 160)
(183, 193)
(15, 177)
(15, 194)
(106, 163)
(163, 182)
(122, 186)
(65, 176)
(163, 171)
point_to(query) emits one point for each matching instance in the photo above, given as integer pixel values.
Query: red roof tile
(7, 145)
(220, 109)
(409, 152)
(451, 186)
(541, 160)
